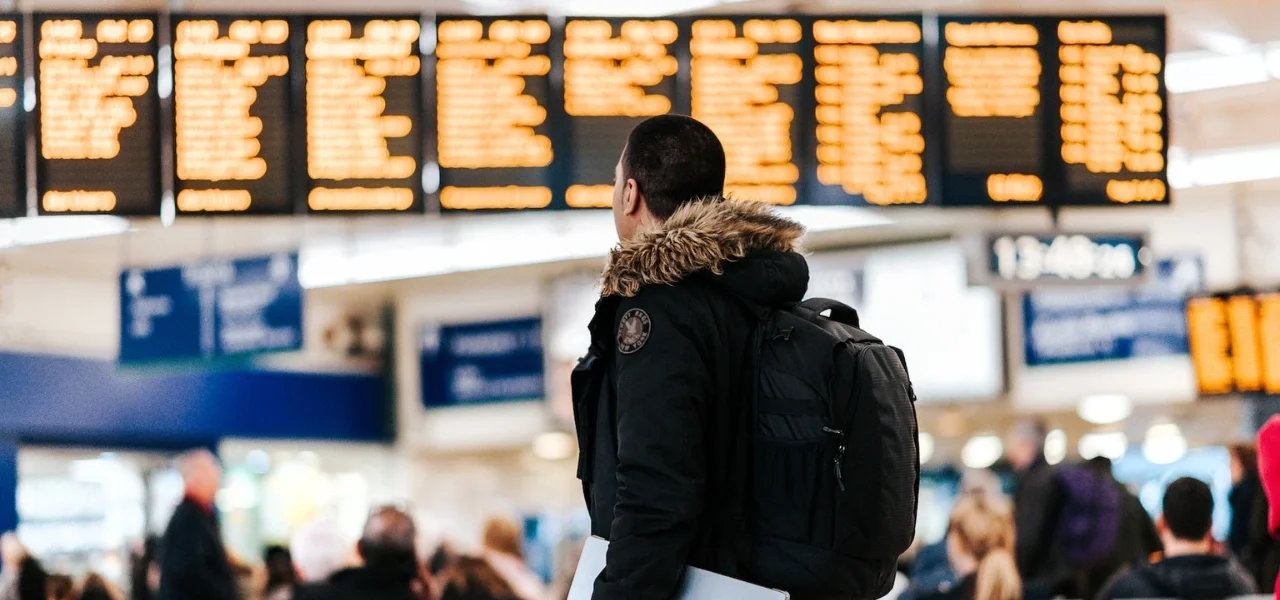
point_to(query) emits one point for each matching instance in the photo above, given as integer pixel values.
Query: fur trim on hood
(700, 236)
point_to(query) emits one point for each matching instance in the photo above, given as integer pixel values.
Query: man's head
(201, 474)
(1187, 519)
(389, 539)
(669, 161)
(1026, 443)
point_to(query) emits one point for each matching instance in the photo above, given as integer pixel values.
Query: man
(661, 400)
(388, 548)
(193, 561)
(1190, 568)
(1036, 504)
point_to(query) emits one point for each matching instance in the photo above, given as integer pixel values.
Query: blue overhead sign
(480, 363)
(211, 308)
(1067, 325)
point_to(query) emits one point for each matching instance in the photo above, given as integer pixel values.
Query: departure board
(97, 138)
(617, 72)
(363, 103)
(868, 141)
(1269, 334)
(1235, 343)
(992, 110)
(493, 90)
(13, 138)
(1111, 121)
(231, 96)
(744, 84)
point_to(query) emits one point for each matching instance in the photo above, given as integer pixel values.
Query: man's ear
(1161, 526)
(632, 200)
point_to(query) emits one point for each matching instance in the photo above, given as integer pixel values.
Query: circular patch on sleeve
(633, 331)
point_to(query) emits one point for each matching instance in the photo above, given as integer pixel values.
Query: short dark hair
(1188, 509)
(675, 160)
(389, 537)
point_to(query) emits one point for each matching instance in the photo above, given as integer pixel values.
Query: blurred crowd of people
(190, 562)
(1065, 531)
(1074, 531)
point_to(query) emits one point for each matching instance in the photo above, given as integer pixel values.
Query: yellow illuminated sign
(79, 201)
(87, 98)
(1014, 187)
(589, 196)
(1235, 343)
(485, 118)
(1210, 345)
(508, 197)
(862, 147)
(1111, 110)
(993, 69)
(83, 107)
(8, 64)
(735, 93)
(606, 72)
(216, 81)
(1269, 333)
(1242, 323)
(347, 128)
(361, 198)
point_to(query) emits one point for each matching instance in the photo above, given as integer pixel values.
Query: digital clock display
(1066, 257)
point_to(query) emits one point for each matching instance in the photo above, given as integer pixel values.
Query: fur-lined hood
(700, 236)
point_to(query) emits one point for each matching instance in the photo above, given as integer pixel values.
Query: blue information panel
(211, 308)
(1066, 325)
(480, 363)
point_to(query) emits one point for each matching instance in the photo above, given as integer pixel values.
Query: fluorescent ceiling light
(1221, 42)
(29, 231)
(1055, 446)
(1165, 444)
(1273, 61)
(1104, 409)
(479, 242)
(1111, 444)
(1224, 166)
(927, 446)
(981, 451)
(1199, 71)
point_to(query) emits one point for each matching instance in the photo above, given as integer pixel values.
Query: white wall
(59, 314)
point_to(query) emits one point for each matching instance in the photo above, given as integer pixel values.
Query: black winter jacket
(193, 562)
(1193, 577)
(1037, 502)
(362, 583)
(660, 399)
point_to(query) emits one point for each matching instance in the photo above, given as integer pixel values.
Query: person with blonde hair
(980, 547)
(503, 550)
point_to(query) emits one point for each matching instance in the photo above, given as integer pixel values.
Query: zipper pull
(839, 464)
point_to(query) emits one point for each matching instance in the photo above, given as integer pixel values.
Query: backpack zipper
(838, 462)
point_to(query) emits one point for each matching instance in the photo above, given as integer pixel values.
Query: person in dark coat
(1135, 543)
(391, 570)
(22, 577)
(1248, 536)
(658, 400)
(1037, 502)
(193, 561)
(1190, 568)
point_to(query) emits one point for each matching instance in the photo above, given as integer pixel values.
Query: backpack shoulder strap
(840, 311)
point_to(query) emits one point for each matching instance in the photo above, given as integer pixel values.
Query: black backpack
(835, 471)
